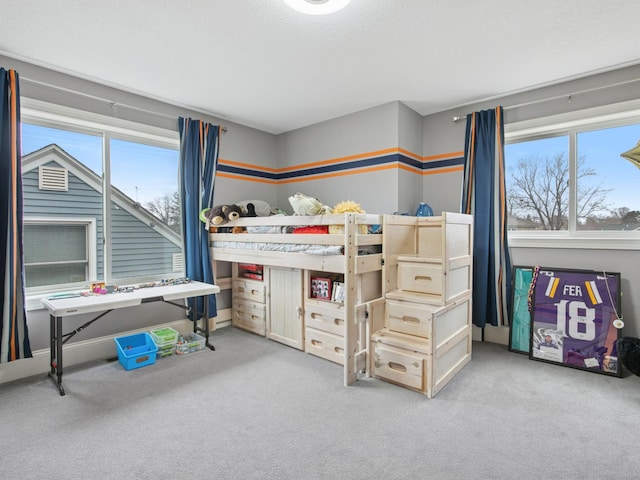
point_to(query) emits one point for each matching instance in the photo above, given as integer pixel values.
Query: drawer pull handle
(338, 321)
(254, 292)
(410, 320)
(316, 315)
(253, 317)
(240, 289)
(397, 367)
(422, 278)
(316, 343)
(338, 350)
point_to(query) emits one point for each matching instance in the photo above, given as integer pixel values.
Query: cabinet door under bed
(285, 306)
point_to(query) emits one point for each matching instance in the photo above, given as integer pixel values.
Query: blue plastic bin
(137, 350)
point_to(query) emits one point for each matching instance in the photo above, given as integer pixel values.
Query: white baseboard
(78, 352)
(94, 349)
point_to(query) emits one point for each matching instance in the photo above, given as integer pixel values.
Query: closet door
(285, 306)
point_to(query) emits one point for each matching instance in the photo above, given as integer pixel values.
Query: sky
(601, 150)
(142, 172)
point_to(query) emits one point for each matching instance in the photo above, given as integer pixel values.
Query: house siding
(137, 249)
(80, 201)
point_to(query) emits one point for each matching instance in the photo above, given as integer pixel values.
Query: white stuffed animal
(305, 205)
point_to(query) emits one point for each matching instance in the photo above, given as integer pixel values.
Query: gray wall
(388, 126)
(359, 134)
(441, 135)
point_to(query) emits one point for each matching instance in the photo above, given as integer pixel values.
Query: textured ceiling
(261, 64)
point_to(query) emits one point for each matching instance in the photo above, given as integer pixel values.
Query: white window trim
(35, 294)
(599, 117)
(58, 116)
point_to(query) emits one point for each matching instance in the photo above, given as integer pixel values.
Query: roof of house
(54, 153)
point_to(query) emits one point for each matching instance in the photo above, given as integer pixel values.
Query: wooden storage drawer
(401, 366)
(324, 344)
(249, 289)
(434, 283)
(410, 318)
(329, 317)
(249, 316)
(420, 277)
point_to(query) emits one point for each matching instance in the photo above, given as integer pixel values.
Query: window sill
(583, 241)
(33, 302)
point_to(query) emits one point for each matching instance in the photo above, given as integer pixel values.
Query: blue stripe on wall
(247, 171)
(449, 162)
(341, 167)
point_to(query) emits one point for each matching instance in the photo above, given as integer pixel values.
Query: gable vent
(53, 178)
(178, 262)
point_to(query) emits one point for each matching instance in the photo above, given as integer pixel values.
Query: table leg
(206, 322)
(56, 352)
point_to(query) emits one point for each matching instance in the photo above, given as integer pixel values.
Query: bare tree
(539, 189)
(167, 209)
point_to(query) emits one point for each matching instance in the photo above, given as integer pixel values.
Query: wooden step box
(422, 346)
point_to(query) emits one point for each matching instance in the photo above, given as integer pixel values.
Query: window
(58, 251)
(77, 232)
(569, 181)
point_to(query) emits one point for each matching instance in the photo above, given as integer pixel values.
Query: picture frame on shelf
(321, 288)
(338, 292)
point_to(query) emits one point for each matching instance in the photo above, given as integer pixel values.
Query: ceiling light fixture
(317, 7)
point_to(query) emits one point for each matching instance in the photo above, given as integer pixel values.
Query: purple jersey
(576, 310)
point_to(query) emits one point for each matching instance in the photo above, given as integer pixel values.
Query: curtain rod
(112, 103)
(568, 96)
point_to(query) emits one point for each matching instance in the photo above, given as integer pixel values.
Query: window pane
(537, 184)
(85, 149)
(607, 183)
(62, 258)
(54, 243)
(79, 157)
(40, 275)
(146, 229)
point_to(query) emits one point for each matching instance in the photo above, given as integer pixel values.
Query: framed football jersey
(576, 319)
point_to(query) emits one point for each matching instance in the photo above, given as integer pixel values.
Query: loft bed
(326, 252)
(335, 331)
(422, 264)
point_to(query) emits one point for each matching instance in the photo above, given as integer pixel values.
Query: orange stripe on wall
(412, 155)
(409, 168)
(442, 156)
(433, 171)
(248, 179)
(247, 165)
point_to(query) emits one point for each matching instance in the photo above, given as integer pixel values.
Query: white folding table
(64, 306)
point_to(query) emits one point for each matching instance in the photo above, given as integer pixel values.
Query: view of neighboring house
(64, 226)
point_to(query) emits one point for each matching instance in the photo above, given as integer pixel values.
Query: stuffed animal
(251, 210)
(347, 206)
(231, 212)
(219, 215)
(305, 205)
(262, 208)
(216, 215)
